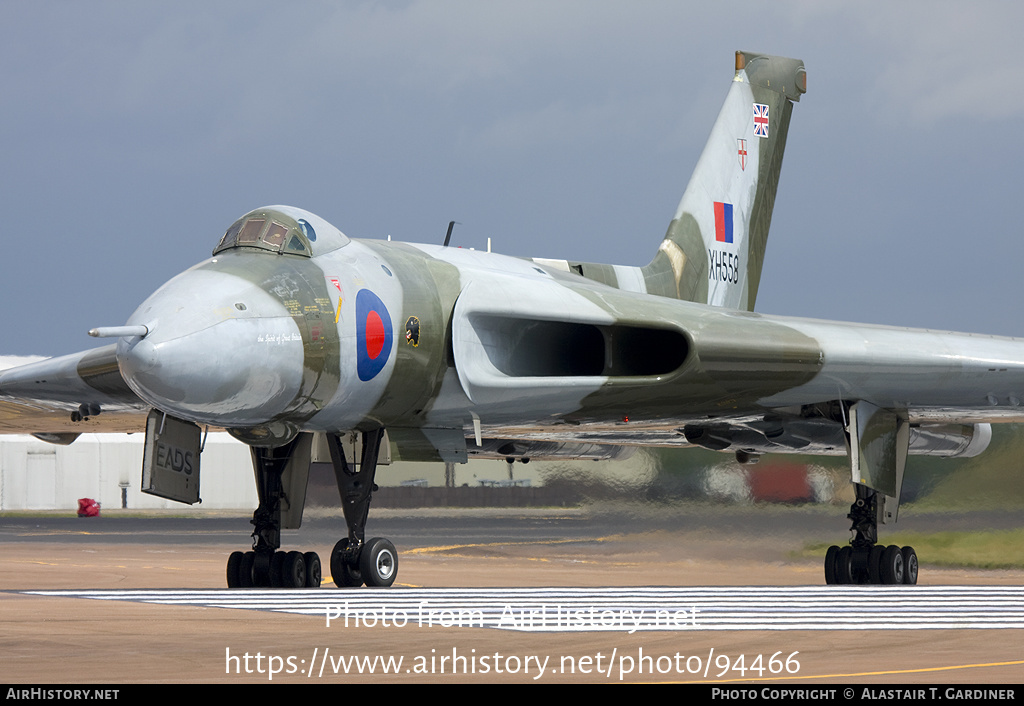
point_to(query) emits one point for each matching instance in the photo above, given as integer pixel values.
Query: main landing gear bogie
(283, 570)
(864, 561)
(890, 565)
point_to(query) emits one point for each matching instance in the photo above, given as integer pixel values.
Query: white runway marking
(621, 609)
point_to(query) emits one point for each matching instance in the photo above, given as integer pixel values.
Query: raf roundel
(374, 335)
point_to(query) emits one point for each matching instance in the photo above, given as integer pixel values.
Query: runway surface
(747, 608)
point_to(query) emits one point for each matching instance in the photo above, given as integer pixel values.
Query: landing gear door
(170, 462)
(879, 441)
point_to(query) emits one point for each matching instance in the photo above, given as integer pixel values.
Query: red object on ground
(782, 482)
(87, 507)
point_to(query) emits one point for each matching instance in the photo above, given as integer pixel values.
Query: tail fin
(714, 248)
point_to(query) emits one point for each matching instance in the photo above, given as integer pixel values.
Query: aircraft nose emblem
(412, 331)
(374, 335)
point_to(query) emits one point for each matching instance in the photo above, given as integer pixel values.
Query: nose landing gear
(355, 561)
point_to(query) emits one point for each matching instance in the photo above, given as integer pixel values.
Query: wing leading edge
(69, 395)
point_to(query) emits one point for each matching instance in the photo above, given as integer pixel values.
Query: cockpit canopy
(282, 230)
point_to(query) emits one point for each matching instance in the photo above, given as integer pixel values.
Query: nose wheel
(379, 562)
(345, 565)
(375, 563)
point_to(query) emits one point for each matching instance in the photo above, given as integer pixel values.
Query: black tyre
(844, 566)
(909, 565)
(830, 565)
(234, 566)
(313, 572)
(892, 565)
(345, 575)
(276, 569)
(859, 566)
(245, 570)
(293, 570)
(262, 564)
(875, 564)
(378, 562)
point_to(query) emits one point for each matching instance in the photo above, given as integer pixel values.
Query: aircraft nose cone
(209, 361)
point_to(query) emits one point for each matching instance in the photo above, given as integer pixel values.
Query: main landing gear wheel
(378, 562)
(830, 565)
(313, 571)
(245, 578)
(844, 565)
(293, 571)
(889, 566)
(909, 566)
(276, 566)
(234, 567)
(875, 564)
(892, 565)
(284, 570)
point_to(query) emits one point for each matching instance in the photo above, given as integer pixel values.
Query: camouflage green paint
(880, 449)
(683, 239)
(98, 369)
(428, 444)
(721, 373)
(784, 76)
(605, 274)
(429, 290)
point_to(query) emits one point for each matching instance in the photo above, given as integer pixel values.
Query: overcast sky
(132, 134)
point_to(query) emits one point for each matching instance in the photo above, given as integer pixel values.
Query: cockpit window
(266, 231)
(275, 235)
(231, 235)
(250, 232)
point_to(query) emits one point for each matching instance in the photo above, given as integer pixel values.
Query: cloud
(948, 59)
